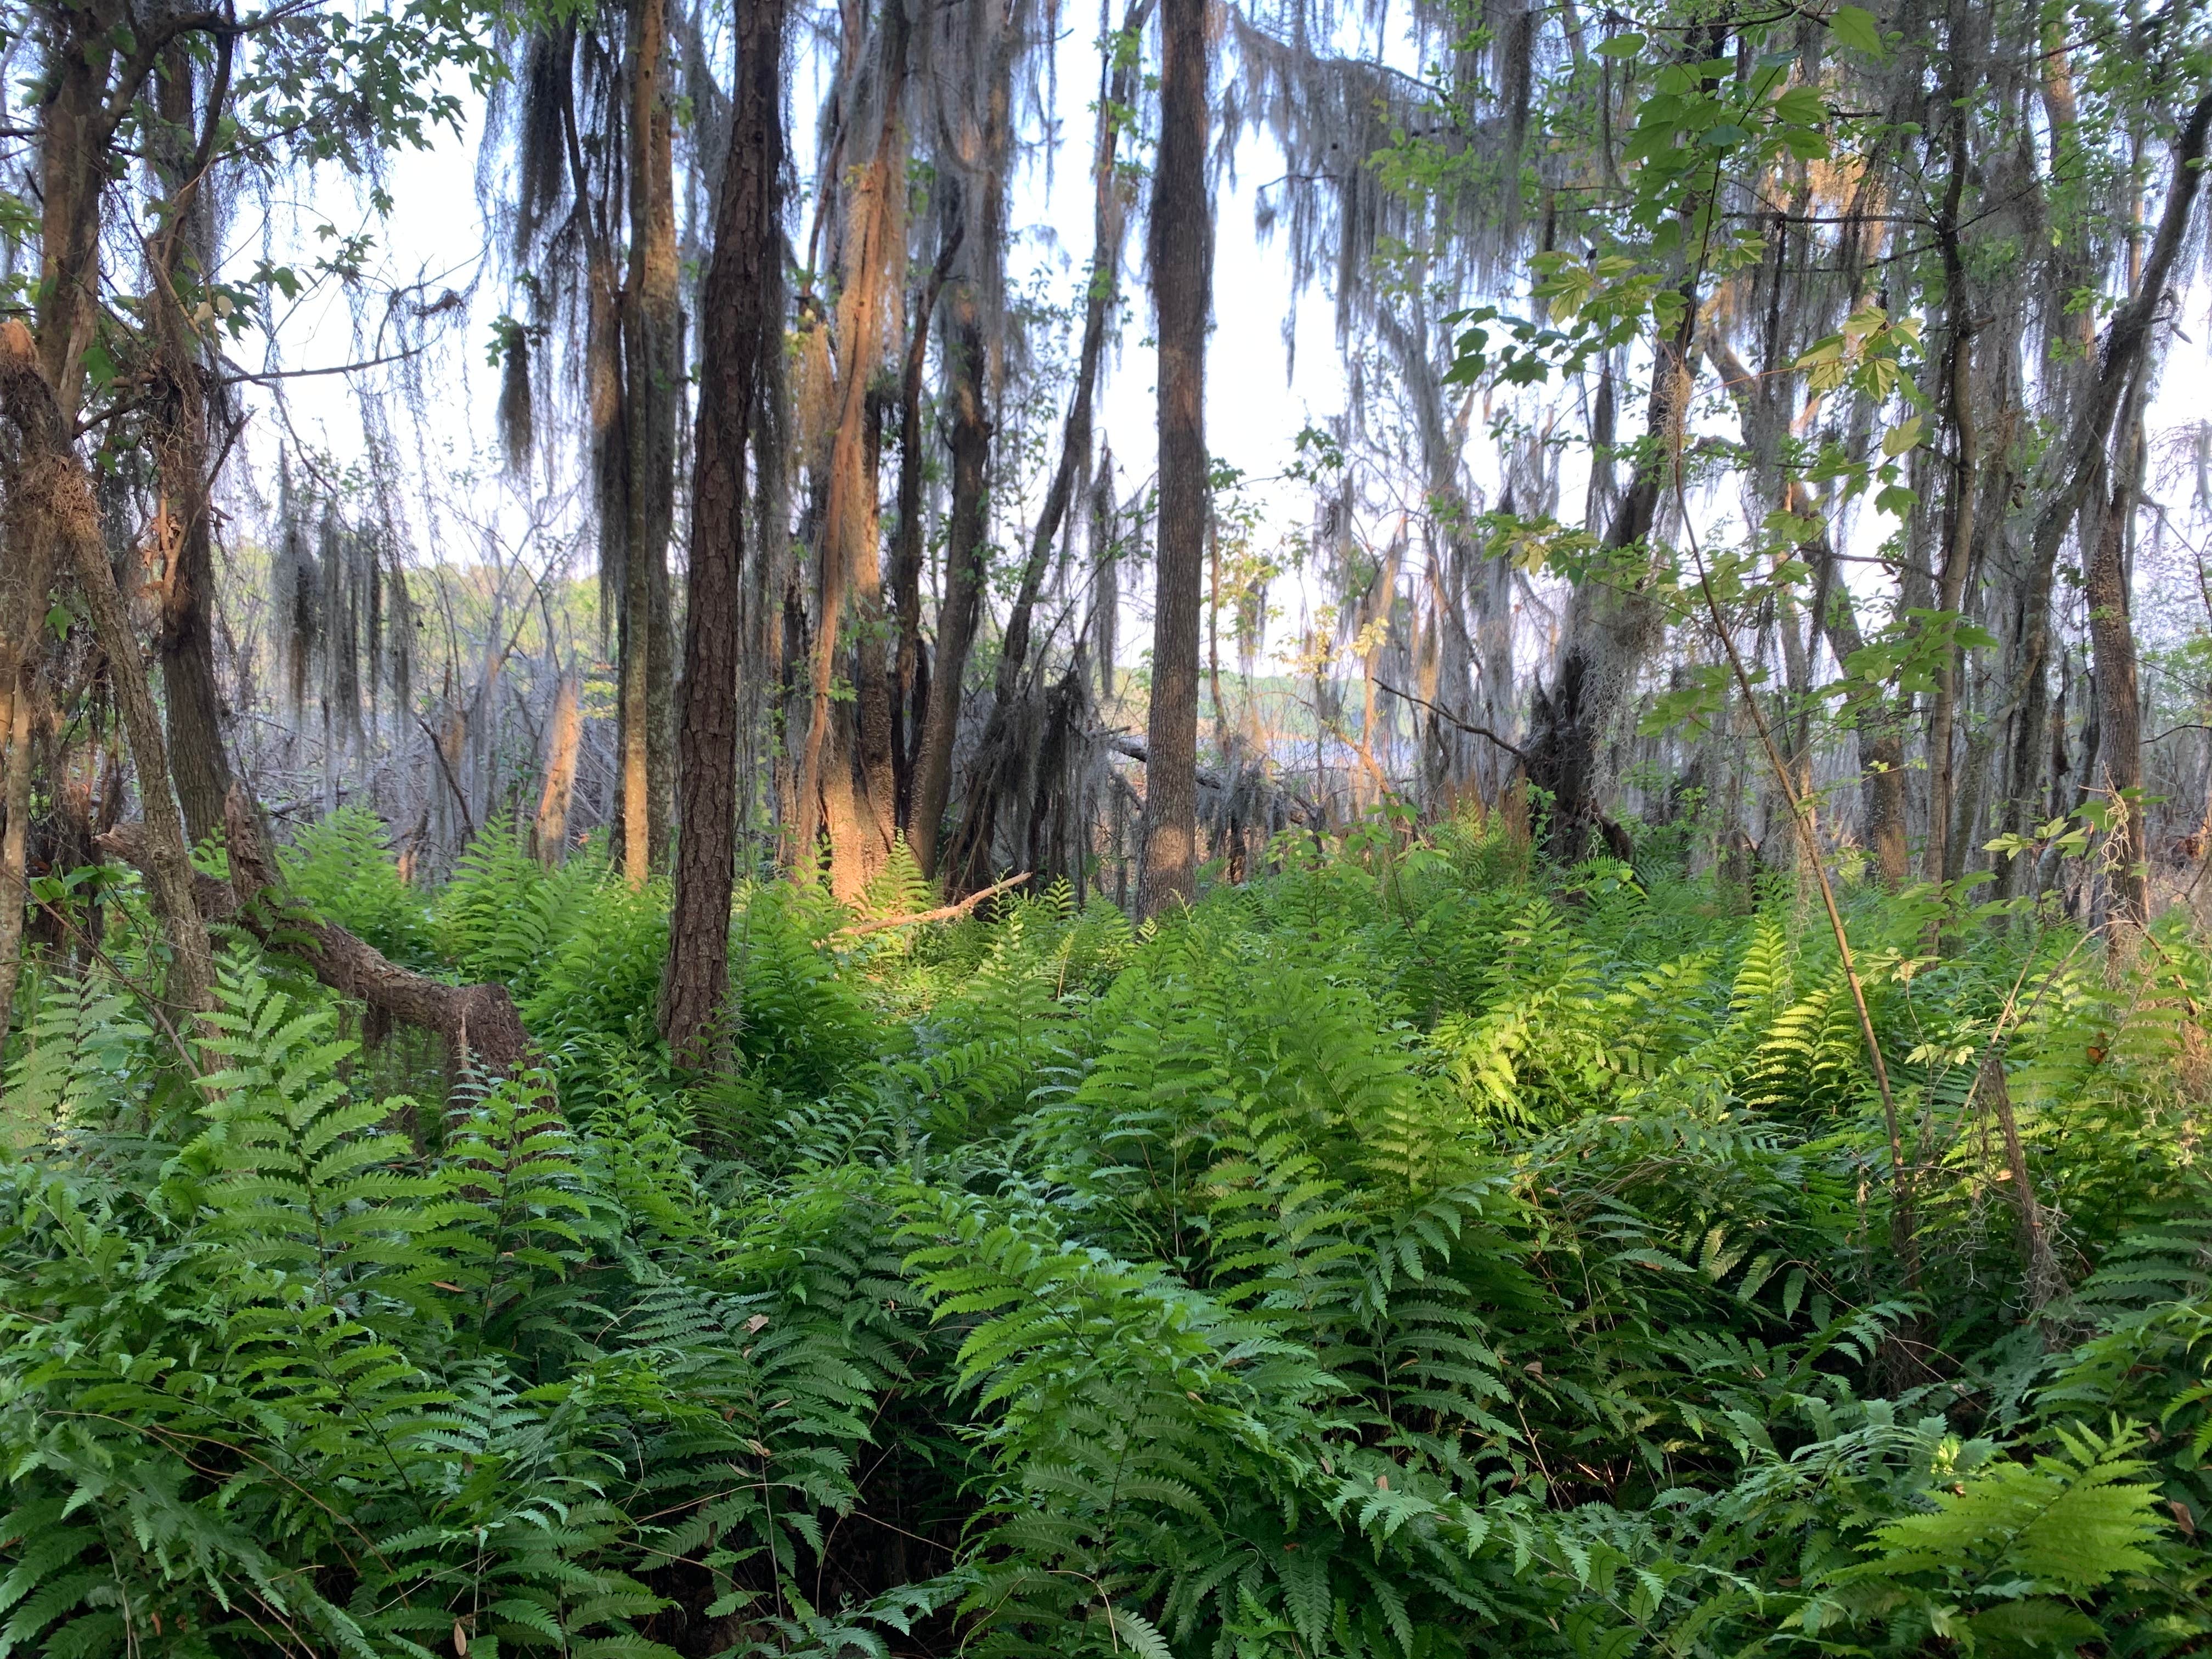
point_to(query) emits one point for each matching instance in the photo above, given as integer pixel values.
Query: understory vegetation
(1420, 1251)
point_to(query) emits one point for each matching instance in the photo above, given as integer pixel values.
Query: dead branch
(943, 913)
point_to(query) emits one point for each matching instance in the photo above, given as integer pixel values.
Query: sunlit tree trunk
(851, 769)
(564, 733)
(652, 374)
(1182, 236)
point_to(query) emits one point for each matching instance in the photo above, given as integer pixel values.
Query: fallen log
(478, 1022)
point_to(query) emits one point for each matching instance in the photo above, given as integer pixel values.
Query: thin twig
(1446, 714)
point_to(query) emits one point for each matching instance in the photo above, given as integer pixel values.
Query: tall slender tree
(1181, 254)
(741, 324)
(975, 145)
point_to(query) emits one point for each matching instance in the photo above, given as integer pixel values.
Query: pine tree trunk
(741, 323)
(1182, 236)
(653, 377)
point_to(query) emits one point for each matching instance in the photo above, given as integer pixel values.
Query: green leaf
(1856, 27)
(1801, 106)
(1621, 46)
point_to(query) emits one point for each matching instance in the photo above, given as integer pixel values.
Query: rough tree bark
(1959, 542)
(1881, 726)
(22, 616)
(857, 791)
(55, 499)
(1182, 252)
(565, 732)
(910, 669)
(75, 129)
(2120, 700)
(741, 322)
(652, 381)
(183, 638)
(1614, 621)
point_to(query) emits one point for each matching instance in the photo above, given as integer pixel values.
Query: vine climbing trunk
(741, 324)
(1182, 237)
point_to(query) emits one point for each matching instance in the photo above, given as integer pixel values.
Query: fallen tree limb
(478, 1022)
(943, 913)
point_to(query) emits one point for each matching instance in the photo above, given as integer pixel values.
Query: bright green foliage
(343, 866)
(1410, 1255)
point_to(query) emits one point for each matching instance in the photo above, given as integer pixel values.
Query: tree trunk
(741, 323)
(652, 378)
(965, 553)
(185, 638)
(910, 670)
(478, 1022)
(22, 621)
(56, 502)
(2119, 703)
(859, 789)
(1181, 255)
(565, 731)
(976, 215)
(1881, 726)
(74, 132)
(1612, 626)
(1957, 544)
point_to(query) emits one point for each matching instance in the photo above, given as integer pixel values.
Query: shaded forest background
(833, 997)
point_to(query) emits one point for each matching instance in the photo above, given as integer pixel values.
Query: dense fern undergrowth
(1415, 1252)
